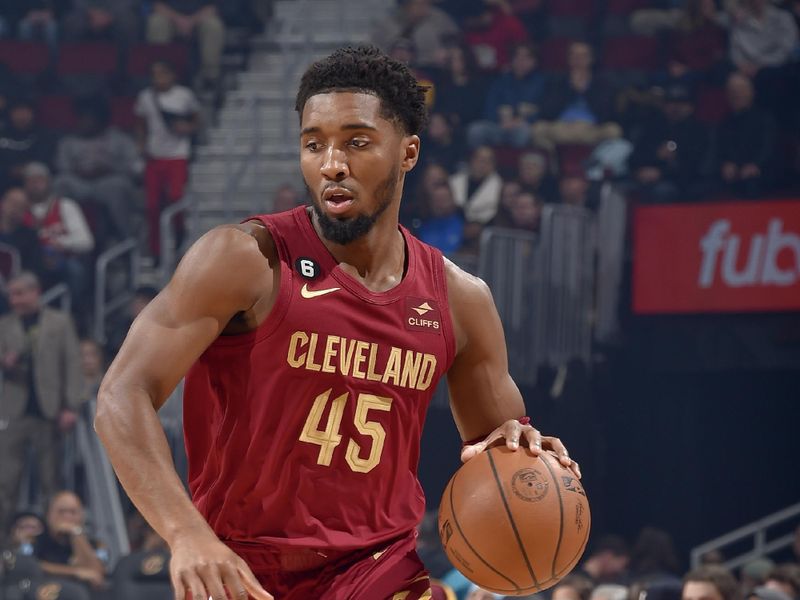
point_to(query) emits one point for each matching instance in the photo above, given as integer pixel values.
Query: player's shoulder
(464, 287)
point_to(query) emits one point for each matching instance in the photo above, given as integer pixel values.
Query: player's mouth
(337, 200)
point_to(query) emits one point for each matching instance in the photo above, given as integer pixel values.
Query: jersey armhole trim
(447, 320)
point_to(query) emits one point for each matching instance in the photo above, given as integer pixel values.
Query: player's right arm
(224, 274)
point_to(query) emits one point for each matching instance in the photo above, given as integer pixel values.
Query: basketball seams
(466, 541)
(511, 519)
(557, 482)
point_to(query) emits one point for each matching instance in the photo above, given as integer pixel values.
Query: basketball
(514, 523)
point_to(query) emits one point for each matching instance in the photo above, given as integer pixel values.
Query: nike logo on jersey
(307, 293)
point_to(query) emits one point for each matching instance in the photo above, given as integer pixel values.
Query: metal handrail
(58, 293)
(167, 235)
(755, 530)
(103, 307)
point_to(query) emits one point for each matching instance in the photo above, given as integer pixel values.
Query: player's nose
(334, 166)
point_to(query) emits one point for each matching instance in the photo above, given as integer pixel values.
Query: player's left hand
(512, 430)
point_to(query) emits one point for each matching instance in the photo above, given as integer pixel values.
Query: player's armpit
(482, 394)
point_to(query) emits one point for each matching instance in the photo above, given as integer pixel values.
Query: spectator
(711, 582)
(415, 206)
(404, 51)
(461, 90)
(41, 388)
(522, 211)
(40, 20)
(477, 188)
(672, 158)
(286, 197)
(93, 367)
(62, 228)
(119, 328)
(578, 107)
(98, 164)
(493, 33)
(116, 20)
(534, 176)
(168, 115)
(64, 549)
(573, 587)
(424, 24)
(745, 142)
(698, 42)
(785, 578)
(145, 572)
(22, 141)
(182, 18)
(754, 573)
(14, 232)
(607, 562)
(654, 556)
(442, 142)
(444, 225)
(513, 103)
(573, 189)
(25, 526)
(761, 36)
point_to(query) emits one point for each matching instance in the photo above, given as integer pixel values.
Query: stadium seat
(56, 112)
(553, 53)
(122, 113)
(141, 56)
(572, 157)
(88, 58)
(28, 58)
(631, 53)
(625, 7)
(571, 8)
(712, 105)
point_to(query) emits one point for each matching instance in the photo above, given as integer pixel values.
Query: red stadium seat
(625, 7)
(56, 112)
(571, 8)
(631, 52)
(553, 53)
(712, 105)
(24, 57)
(571, 158)
(141, 56)
(88, 58)
(122, 112)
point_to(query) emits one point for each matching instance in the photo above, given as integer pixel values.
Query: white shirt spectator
(765, 42)
(161, 142)
(481, 206)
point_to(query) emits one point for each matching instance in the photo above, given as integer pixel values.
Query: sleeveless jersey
(306, 431)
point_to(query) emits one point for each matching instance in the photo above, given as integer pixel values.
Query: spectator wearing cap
(117, 20)
(168, 115)
(15, 233)
(578, 107)
(424, 24)
(22, 141)
(673, 157)
(64, 234)
(745, 142)
(493, 32)
(97, 166)
(184, 19)
(710, 582)
(513, 103)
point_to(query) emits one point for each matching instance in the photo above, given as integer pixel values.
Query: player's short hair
(366, 69)
(719, 577)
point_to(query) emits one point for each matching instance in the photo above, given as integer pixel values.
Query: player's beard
(346, 230)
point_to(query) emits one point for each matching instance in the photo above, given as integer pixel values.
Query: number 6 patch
(307, 267)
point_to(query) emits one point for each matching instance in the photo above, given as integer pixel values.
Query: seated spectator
(533, 176)
(513, 103)
(426, 25)
(64, 549)
(573, 189)
(22, 141)
(62, 229)
(15, 233)
(761, 36)
(477, 187)
(168, 115)
(120, 326)
(754, 572)
(698, 42)
(461, 89)
(116, 20)
(40, 21)
(443, 227)
(97, 165)
(414, 207)
(185, 18)
(573, 587)
(93, 367)
(286, 197)
(522, 211)
(578, 107)
(442, 142)
(785, 578)
(654, 556)
(672, 158)
(145, 572)
(493, 32)
(25, 527)
(745, 142)
(711, 582)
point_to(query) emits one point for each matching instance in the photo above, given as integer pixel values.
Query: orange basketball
(514, 523)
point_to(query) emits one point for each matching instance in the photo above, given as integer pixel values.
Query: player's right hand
(204, 568)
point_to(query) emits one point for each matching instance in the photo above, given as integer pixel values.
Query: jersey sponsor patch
(422, 315)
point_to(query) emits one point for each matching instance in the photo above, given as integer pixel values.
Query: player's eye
(359, 143)
(312, 146)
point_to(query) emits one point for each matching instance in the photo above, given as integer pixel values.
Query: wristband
(523, 421)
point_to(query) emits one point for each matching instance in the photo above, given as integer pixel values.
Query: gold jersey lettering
(330, 352)
(360, 358)
(392, 372)
(373, 357)
(346, 356)
(411, 367)
(312, 348)
(426, 372)
(299, 338)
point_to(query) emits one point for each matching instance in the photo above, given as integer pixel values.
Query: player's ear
(411, 155)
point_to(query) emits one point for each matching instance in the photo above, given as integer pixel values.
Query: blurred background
(624, 174)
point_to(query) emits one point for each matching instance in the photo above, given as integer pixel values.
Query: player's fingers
(179, 589)
(212, 581)
(554, 444)
(232, 582)
(534, 437)
(576, 468)
(511, 432)
(251, 584)
(194, 586)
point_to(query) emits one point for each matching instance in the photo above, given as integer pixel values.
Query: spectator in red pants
(168, 115)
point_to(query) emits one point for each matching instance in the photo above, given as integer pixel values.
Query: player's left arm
(485, 401)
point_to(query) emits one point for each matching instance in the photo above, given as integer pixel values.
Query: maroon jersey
(306, 431)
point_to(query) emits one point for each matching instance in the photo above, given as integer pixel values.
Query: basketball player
(311, 342)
